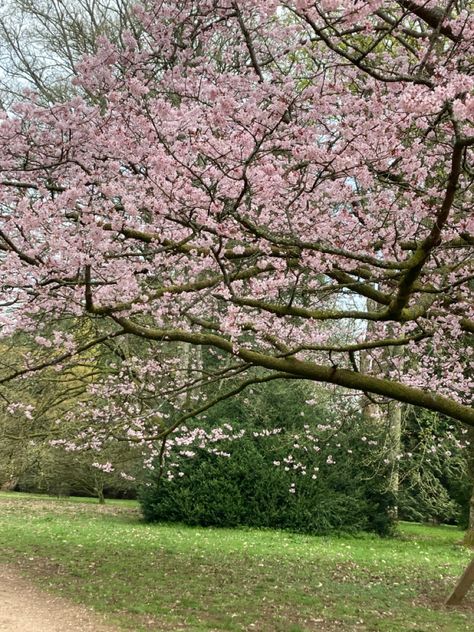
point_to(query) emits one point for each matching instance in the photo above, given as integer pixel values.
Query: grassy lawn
(161, 577)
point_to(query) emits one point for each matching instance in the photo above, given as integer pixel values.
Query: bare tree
(42, 41)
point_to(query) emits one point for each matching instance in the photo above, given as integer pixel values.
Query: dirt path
(24, 608)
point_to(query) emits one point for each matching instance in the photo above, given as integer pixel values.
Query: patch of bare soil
(24, 608)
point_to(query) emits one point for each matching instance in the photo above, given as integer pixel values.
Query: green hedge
(248, 489)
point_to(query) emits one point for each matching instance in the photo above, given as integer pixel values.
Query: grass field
(168, 577)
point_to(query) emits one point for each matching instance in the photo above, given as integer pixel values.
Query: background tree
(38, 424)
(42, 41)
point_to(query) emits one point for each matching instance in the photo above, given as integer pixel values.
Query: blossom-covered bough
(288, 184)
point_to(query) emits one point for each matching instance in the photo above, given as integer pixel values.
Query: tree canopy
(288, 184)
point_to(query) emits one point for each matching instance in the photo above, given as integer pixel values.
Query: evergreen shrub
(248, 489)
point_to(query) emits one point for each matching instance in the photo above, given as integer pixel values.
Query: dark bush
(246, 488)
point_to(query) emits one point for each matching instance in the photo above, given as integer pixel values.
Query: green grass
(168, 577)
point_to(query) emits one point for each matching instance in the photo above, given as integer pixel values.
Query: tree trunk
(467, 578)
(192, 361)
(394, 415)
(99, 490)
(464, 583)
(391, 415)
(469, 537)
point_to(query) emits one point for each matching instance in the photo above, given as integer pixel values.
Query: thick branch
(312, 371)
(423, 252)
(433, 16)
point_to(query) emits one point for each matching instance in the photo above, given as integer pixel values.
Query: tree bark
(469, 537)
(464, 583)
(394, 415)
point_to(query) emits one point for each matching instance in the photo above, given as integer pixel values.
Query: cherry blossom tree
(287, 185)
